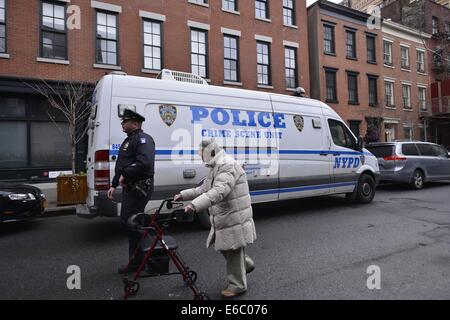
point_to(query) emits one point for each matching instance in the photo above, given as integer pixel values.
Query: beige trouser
(238, 263)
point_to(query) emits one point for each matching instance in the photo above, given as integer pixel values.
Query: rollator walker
(159, 249)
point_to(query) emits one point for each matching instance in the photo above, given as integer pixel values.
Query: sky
(308, 2)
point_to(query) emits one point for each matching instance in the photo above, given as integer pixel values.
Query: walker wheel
(192, 275)
(201, 296)
(132, 288)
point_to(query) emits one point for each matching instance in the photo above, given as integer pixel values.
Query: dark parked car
(411, 162)
(20, 202)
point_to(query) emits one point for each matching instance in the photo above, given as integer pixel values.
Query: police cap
(131, 115)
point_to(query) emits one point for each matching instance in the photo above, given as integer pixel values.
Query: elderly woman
(225, 194)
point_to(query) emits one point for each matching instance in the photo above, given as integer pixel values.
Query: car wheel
(418, 180)
(203, 220)
(365, 189)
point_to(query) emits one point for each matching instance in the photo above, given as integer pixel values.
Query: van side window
(410, 149)
(341, 135)
(440, 152)
(426, 149)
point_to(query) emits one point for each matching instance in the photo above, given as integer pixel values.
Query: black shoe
(131, 268)
(250, 269)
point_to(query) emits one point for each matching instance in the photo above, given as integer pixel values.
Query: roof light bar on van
(101, 170)
(180, 76)
(394, 158)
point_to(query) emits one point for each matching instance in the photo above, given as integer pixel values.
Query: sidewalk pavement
(50, 191)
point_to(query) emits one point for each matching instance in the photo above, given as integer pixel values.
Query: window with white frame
(152, 45)
(404, 57)
(420, 61)
(263, 60)
(389, 93)
(199, 52)
(406, 96)
(107, 38)
(290, 58)
(231, 58)
(53, 31)
(2, 26)
(387, 50)
(289, 12)
(230, 5)
(262, 9)
(422, 98)
(434, 25)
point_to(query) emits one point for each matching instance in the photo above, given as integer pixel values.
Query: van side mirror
(360, 144)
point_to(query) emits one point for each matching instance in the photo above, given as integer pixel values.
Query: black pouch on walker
(158, 262)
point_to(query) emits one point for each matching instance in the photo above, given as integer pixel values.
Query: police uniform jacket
(136, 158)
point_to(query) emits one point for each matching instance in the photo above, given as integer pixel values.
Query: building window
(231, 58)
(407, 132)
(352, 84)
(354, 127)
(328, 39)
(53, 31)
(387, 49)
(263, 59)
(371, 51)
(107, 35)
(422, 99)
(199, 1)
(373, 94)
(434, 25)
(2, 26)
(330, 83)
(420, 61)
(230, 5)
(290, 58)
(406, 96)
(351, 44)
(262, 9)
(152, 45)
(30, 139)
(389, 93)
(404, 57)
(289, 12)
(199, 52)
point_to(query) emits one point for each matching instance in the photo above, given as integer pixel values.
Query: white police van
(290, 147)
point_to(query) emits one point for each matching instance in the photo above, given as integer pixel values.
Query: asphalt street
(317, 248)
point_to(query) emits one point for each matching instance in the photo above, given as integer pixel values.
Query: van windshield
(381, 151)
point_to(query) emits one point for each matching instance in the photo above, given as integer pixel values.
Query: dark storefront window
(32, 143)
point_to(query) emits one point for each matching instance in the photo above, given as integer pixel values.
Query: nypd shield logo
(168, 114)
(299, 122)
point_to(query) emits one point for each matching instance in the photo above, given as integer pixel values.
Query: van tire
(365, 190)
(418, 179)
(202, 220)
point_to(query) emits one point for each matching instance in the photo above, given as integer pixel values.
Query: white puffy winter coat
(225, 192)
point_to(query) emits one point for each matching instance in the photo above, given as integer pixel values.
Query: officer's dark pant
(133, 203)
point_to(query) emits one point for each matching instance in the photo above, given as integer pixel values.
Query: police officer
(134, 172)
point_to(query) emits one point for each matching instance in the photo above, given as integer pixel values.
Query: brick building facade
(258, 45)
(431, 18)
(349, 64)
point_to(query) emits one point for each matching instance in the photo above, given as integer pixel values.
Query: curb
(58, 211)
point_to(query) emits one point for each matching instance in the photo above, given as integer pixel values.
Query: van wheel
(202, 219)
(418, 180)
(365, 191)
